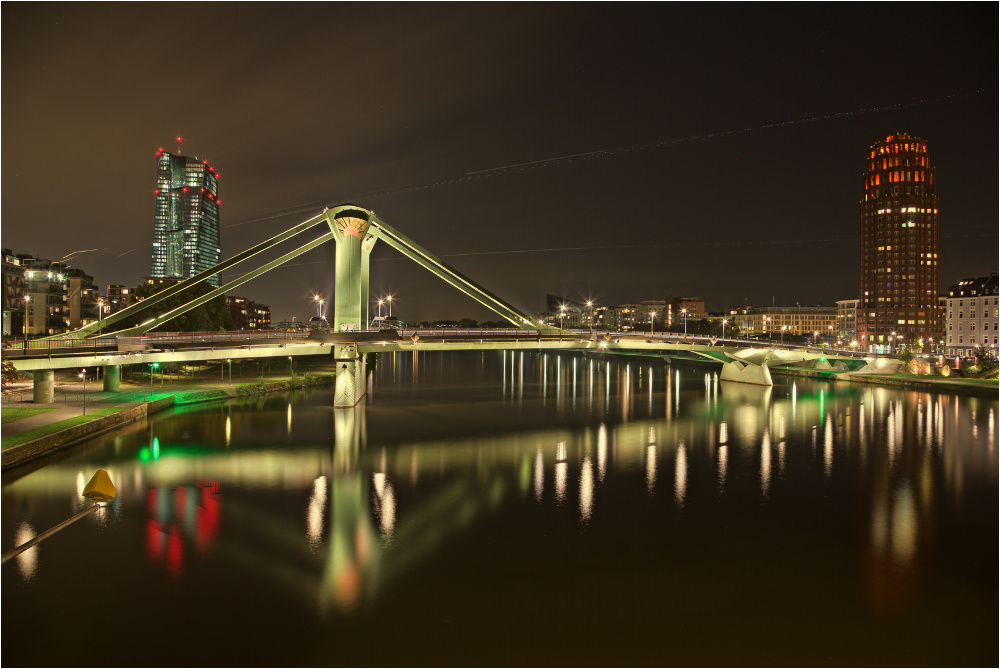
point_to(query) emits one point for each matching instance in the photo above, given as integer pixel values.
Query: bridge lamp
(380, 302)
(389, 300)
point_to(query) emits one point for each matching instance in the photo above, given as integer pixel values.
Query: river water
(521, 509)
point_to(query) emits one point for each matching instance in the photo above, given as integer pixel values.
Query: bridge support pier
(743, 372)
(350, 386)
(112, 378)
(43, 386)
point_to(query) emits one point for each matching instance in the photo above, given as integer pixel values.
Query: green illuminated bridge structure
(355, 231)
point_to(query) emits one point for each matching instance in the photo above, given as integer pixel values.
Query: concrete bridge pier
(112, 378)
(43, 386)
(746, 372)
(350, 386)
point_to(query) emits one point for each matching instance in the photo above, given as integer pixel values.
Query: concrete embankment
(937, 384)
(57, 441)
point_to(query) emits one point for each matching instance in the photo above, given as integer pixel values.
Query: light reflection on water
(394, 487)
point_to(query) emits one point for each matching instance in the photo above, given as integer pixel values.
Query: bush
(985, 360)
(905, 355)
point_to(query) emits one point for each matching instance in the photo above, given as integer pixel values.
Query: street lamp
(562, 313)
(27, 315)
(685, 312)
(152, 366)
(815, 339)
(291, 366)
(230, 371)
(380, 303)
(767, 320)
(724, 321)
(590, 318)
(783, 327)
(389, 300)
(83, 375)
(892, 343)
(100, 314)
(651, 314)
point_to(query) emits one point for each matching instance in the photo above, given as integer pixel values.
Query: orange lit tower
(899, 247)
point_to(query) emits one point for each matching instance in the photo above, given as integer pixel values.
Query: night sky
(659, 149)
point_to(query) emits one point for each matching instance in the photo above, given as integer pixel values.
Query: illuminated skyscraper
(899, 247)
(186, 229)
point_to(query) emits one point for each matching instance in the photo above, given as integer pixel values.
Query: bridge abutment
(745, 372)
(43, 386)
(112, 378)
(350, 386)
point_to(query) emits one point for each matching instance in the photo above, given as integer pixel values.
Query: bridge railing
(44, 345)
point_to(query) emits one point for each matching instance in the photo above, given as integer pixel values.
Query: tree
(213, 316)
(905, 354)
(986, 361)
(10, 373)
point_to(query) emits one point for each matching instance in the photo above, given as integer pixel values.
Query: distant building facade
(818, 322)
(971, 310)
(119, 297)
(81, 299)
(899, 245)
(13, 295)
(847, 321)
(186, 237)
(45, 292)
(248, 315)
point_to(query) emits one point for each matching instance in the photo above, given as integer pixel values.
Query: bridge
(355, 231)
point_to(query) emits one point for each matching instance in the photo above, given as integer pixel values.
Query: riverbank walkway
(75, 403)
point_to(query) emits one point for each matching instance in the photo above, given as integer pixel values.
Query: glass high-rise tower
(899, 247)
(186, 228)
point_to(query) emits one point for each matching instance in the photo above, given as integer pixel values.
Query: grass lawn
(15, 439)
(10, 415)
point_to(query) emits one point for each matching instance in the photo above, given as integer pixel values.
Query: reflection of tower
(899, 245)
(178, 512)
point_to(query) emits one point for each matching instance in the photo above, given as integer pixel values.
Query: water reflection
(338, 505)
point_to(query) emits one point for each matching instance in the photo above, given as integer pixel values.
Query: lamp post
(816, 339)
(724, 321)
(380, 303)
(892, 344)
(685, 312)
(651, 314)
(230, 371)
(767, 321)
(152, 366)
(83, 375)
(590, 318)
(562, 314)
(291, 366)
(100, 314)
(389, 300)
(27, 316)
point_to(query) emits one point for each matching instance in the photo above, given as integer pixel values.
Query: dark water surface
(521, 509)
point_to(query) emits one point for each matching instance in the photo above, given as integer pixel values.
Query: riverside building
(899, 246)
